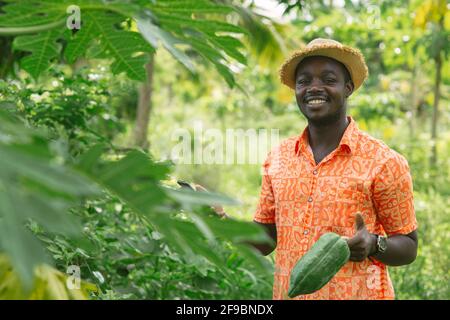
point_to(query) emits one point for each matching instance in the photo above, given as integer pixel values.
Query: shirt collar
(348, 140)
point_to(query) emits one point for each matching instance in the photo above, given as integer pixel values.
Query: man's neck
(327, 136)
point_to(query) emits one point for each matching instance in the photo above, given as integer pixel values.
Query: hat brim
(351, 58)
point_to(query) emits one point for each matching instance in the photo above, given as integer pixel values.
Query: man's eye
(301, 81)
(330, 80)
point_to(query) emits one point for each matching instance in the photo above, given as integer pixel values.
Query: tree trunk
(412, 111)
(144, 107)
(437, 83)
(6, 56)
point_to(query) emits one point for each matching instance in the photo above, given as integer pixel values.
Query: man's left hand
(363, 244)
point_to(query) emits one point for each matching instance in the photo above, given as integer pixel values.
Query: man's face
(321, 89)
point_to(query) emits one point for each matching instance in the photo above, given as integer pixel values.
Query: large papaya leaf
(43, 47)
(175, 23)
(99, 21)
(126, 48)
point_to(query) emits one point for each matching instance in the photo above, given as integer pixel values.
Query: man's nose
(315, 86)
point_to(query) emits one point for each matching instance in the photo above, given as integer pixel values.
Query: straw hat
(350, 57)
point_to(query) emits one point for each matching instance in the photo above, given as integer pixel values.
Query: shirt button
(305, 232)
(310, 199)
(315, 172)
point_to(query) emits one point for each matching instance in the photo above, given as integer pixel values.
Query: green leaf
(229, 45)
(169, 22)
(24, 161)
(134, 178)
(215, 57)
(125, 47)
(33, 186)
(153, 33)
(190, 7)
(185, 237)
(256, 259)
(43, 49)
(179, 23)
(32, 12)
(189, 197)
(80, 41)
(24, 250)
(237, 231)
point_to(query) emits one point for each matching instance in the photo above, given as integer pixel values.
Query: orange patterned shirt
(306, 200)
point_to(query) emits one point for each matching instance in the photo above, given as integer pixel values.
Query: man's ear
(349, 86)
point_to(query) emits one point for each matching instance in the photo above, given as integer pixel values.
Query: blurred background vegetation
(86, 134)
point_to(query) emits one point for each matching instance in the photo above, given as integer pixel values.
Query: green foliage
(128, 259)
(135, 180)
(43, 47)
(45, 191)
(75, 111)
(124, 47)
(34, 187)
(73, 193)
(107, 32)
(429, 276)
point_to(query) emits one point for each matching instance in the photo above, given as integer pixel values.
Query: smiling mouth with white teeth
(316, 101)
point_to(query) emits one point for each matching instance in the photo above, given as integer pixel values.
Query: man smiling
(335, 178)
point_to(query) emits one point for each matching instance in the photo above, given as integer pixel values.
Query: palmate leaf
(174, 23)
(80, 41)
(43, 47)
(99, 21)
(126, 48)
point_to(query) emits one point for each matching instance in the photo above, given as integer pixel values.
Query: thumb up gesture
(363, 243)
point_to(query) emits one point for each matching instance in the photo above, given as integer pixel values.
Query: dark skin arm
(266, 248)
(401, 249)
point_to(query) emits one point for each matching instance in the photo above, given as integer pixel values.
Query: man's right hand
(217, 208)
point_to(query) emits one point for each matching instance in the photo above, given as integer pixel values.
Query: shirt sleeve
(265, 211)
(393, 197)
